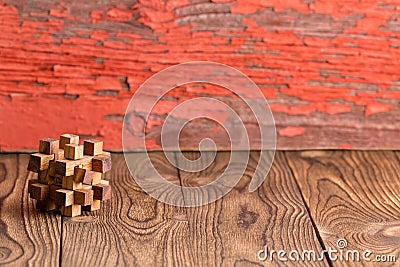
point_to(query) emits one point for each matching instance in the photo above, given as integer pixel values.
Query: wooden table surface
(309, 201)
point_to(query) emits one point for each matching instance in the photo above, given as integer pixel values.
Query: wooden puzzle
(69, 175)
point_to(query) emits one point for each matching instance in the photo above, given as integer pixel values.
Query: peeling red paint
(316, 62)
(99, 35)
(59, 13)
(119, 14)
(107, 83)
(335, 108)
(376, 108)
(291, 131)
(345, 146)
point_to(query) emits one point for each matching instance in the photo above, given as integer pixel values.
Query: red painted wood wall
(330, 69)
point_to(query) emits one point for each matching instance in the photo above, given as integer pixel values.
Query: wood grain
(27, 236)
(230, 231)
(352, 195)
(130, 229)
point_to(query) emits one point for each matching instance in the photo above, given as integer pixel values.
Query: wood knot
(246, 218)
(392, 231)
(4, 254)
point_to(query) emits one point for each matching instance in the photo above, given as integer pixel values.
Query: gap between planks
(352, 196)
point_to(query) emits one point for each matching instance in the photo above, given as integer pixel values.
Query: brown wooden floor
(309, 201)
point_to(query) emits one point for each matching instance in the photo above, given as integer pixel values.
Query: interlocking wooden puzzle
(69, 175)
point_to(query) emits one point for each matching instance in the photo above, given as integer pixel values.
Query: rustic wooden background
(308, 201)
(330, 69)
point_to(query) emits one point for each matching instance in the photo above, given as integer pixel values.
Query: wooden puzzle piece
(39, 191)
(97, 176)
(49, 146)
(69, 175)
(30, 183)
(73, 151)
(46, 205)
(102, 163)
(68, 182)
(102, 191)
(52, 190)
(83, 197)
(64, 197)
(71, 211)
(68, 139)
(85, 176)
(39, 162)
(93, 147)
(95, 206)
(66, 167)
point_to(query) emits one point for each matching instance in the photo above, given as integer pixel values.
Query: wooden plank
(130, 229)
(232, 230)
(352, 195)
(27, 236)
(325, 66)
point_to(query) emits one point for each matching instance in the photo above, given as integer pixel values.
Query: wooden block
(71, 211)
(49, 146)
(68, 139)
(39, 191)
(46, 205)
(86, 187)
(83, 197)
(95, 206)
(93, 147)
(52, 168)
(42, 176)
(52, 190)
(64, 197)
(102, 163)
(66, 167)
(39, 162)
(83, 175)
(73, 151)
(80, 174)
(105, 182)
(101, 191)
(96, 178)
(45, 176)
(68, 182)
(60, 154)
(58, 179)
(30, 183)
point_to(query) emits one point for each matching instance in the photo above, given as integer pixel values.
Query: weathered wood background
(330, 69)
(308, 201)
